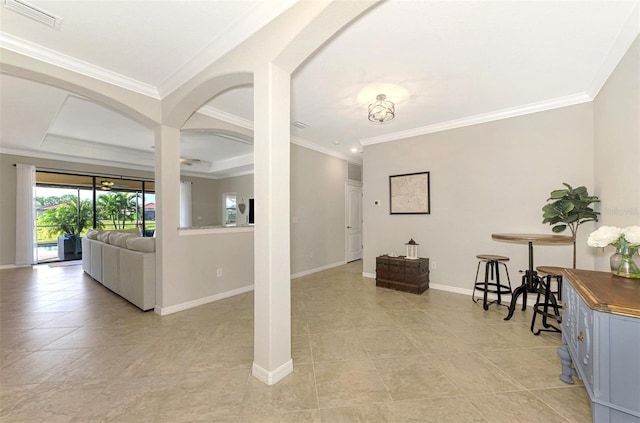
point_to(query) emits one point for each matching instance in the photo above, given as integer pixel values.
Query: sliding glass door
(63, 216)
(68, 205)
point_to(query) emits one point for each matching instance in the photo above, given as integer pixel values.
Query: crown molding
(541, 106)
(43, 54)
(237, 32)
(198, 174)
(247, 124)
(73, 159)
(315, 147)
(226, 117)
(110, 163)
(625, 38)
(232, 163)
(235, 174)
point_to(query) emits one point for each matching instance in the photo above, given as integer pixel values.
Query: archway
(270, 56)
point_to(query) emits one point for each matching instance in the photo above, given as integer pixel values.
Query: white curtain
(25, 210)
(185, 204)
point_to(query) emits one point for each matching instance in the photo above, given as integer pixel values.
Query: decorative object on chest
(412, 249)
(402, 273)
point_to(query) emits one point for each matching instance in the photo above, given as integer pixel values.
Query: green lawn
(43, 236)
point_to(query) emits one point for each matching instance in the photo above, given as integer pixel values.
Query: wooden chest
(409, 275)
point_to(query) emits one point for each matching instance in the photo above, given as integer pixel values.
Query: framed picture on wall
(409, 194)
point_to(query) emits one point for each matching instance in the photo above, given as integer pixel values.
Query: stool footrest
(504, 289)
(555, 315)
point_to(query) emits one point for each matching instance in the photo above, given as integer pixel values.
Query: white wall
(243, 187)
(207, 197)
(487, 178)
(200, 257)
(317, 209)
(203, 192)
(617, 147)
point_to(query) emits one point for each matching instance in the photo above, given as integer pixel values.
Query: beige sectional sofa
(123, 262)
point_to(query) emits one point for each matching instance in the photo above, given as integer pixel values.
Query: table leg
(514, 299)
(521, 290)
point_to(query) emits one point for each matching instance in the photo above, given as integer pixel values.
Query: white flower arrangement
(618, 237)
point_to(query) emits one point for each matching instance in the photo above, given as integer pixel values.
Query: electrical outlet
(219, 273)
(434, 265)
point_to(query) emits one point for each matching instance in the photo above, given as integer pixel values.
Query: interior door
(353, 219)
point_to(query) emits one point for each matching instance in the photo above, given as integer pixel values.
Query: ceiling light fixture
(381, 110)
(34, 13)
(106, 185)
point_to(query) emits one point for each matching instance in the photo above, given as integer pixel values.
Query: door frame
(348, 184)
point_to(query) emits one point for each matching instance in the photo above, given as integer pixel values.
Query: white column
(272, 335)
(167, 178)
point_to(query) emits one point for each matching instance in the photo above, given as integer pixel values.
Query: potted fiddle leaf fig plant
(569, 208)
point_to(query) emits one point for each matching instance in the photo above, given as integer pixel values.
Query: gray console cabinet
(602, 341)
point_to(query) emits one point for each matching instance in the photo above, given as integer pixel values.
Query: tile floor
(72, 351)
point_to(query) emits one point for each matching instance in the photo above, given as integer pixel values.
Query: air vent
(34, 13)
(189, 162)
(300, 125)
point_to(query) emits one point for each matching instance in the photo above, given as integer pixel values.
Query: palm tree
(118, 207)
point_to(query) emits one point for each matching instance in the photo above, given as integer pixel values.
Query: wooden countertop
(604, 292)
(535, 238)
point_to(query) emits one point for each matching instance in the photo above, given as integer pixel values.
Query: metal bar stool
(493, 285)
(549, 308)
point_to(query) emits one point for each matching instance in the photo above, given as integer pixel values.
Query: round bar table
(530, 280)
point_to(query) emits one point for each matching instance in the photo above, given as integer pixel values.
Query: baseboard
(13, 266)
(163, 311)
(454, 289)
(531, 299)
(369, 275)
(317, 269)
(271, 378)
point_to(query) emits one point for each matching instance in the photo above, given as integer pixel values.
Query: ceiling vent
(189, 162)
(34, 13)
(300, 125)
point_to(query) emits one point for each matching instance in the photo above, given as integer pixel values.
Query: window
(229, 211)
(71, 204)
